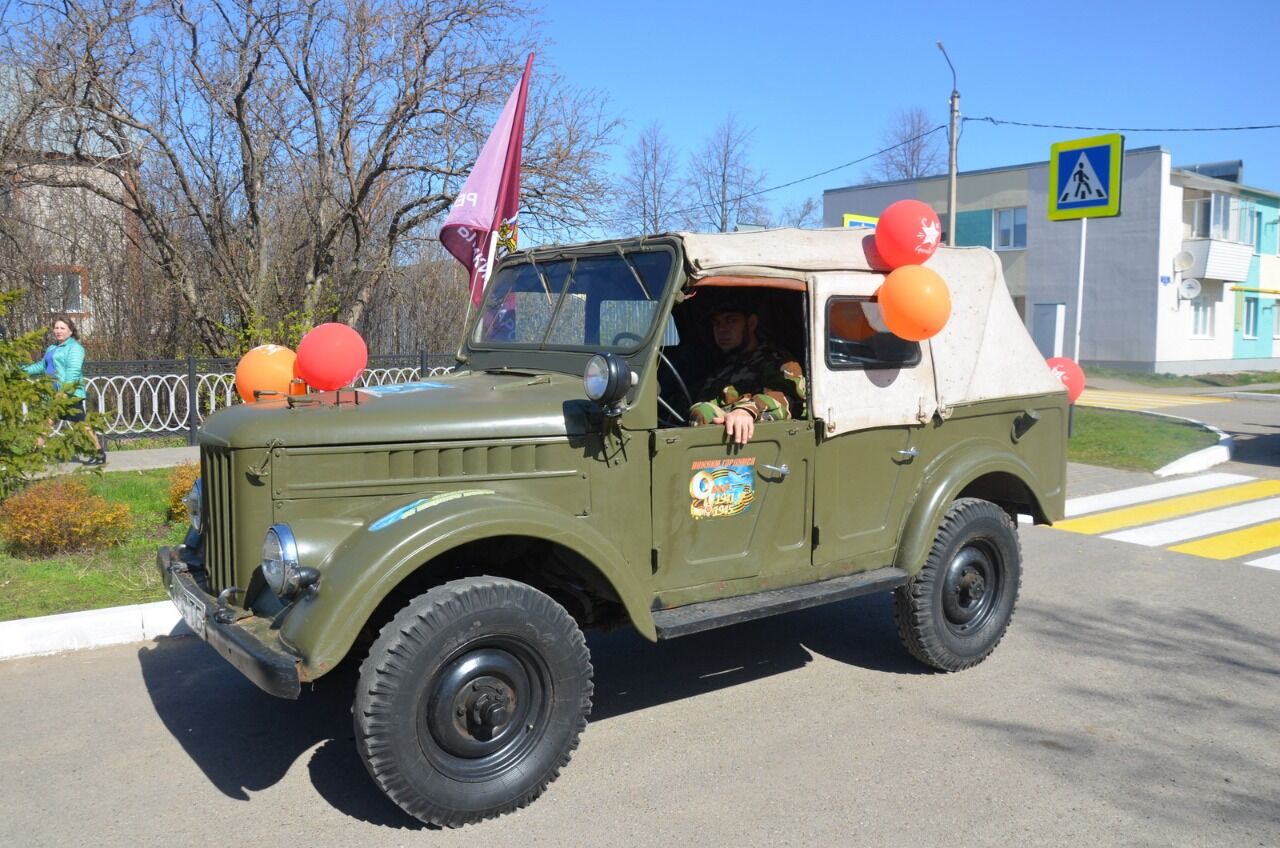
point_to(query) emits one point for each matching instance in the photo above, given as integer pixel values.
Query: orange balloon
(266, 368)
(915, 302)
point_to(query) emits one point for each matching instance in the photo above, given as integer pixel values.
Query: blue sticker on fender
(421, 504)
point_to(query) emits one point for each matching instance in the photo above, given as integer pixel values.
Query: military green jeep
(456, 535)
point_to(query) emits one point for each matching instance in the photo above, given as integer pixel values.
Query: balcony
(1217, 259)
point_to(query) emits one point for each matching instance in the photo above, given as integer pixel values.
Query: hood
(470, 405)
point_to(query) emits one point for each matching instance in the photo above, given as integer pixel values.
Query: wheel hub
(478, 703)
(969, 589)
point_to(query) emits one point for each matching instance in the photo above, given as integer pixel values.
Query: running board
(721, 612)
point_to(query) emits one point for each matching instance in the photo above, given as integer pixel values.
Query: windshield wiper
(634, 273)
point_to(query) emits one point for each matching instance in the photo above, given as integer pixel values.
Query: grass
(1243, 378)
(122, 574)
(1131, 441)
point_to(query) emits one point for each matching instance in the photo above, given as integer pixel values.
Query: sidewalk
(138, 460)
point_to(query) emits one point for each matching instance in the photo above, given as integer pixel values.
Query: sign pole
(1084, 231)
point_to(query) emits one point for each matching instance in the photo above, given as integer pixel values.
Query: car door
(724, 513)
(873, 393)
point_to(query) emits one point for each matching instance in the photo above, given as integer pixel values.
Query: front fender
(359, 572)
(943, 481)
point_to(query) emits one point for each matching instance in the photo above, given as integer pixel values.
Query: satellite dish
(1189, 288)
(1183, 260)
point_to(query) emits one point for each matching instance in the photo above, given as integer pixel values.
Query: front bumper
(270, 667)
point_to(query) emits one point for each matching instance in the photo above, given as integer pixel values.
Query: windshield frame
(539, 257)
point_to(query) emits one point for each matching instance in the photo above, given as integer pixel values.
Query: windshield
(605, 303)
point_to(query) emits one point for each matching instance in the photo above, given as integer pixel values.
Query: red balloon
(266, 368)
(908, 233)
(914, 302)
(331, 356)
(1069, 373)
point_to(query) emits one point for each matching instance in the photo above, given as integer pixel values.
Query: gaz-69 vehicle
(455, 536)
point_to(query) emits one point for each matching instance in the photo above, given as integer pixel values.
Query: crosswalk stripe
(1234, 544)
(1152, 492)
(1105, 399)
(1203, 524)
(1272, 562)
(1104, 522)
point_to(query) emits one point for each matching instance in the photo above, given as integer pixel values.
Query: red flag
(481, 227)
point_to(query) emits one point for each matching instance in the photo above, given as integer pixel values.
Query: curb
(1250, 396)
(76, 631)
(1196, 460)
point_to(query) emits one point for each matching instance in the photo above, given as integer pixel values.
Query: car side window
(856, 337)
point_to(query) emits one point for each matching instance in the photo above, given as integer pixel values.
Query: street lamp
(951, 164)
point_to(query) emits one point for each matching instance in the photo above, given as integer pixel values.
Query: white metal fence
(161, 403)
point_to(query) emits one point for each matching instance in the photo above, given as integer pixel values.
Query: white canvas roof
(983, 352)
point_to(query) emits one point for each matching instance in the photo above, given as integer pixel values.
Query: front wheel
(472, 699)
(955, 611)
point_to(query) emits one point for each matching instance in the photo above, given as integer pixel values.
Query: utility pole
(951, 164)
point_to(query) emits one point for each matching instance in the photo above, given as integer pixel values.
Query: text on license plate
(191, 608)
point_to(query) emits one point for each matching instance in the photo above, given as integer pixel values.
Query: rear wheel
(472, 699)
(955, 611)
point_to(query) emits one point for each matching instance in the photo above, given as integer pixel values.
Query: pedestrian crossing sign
(1084, 177)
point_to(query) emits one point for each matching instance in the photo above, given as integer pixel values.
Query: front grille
(219, 541)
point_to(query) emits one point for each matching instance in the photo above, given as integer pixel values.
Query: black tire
(954, 612)
(472, 699)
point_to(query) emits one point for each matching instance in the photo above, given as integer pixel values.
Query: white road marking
(1272, 562)
(1201, 524)
(1152, 492)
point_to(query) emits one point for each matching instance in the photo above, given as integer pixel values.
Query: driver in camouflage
(755, 382)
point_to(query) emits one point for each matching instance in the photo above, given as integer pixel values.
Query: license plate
(190, 606)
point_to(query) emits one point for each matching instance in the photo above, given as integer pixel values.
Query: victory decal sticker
(721, 487)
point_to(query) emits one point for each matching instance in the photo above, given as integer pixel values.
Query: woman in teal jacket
(64, 362)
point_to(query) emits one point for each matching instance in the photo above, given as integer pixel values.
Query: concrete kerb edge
(76, 631)
(1196, 460)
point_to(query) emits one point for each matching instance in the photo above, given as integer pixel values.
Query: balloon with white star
(907, 233)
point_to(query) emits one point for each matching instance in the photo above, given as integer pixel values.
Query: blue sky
(818, 82)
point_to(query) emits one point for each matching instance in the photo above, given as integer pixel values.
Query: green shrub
(181, 479)
(60, 515)
(26, 407)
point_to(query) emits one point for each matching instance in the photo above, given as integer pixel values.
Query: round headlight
(280, 560)
(607, 378)
(193, 502)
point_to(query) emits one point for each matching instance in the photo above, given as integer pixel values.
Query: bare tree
(649, 190)
(915, 150)
(723, 182)
(805, 213)
(287, 157)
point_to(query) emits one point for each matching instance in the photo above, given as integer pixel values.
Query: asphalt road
(1135, 701)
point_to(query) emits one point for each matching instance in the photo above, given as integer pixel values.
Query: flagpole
(488, 272)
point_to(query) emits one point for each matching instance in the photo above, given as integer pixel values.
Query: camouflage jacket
(766, 383)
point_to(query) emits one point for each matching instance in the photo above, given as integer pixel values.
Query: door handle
(908, 454)
(781, 470)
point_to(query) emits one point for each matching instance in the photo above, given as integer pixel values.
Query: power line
(676, 212)
(1001, 122)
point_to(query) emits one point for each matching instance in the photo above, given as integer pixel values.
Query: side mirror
(607, 379)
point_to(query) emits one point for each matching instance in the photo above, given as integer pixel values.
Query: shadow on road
(1255, 448)
(246, 741)
(1156, 716)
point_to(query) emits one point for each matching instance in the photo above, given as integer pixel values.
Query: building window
(1202, 318)
(64, 289)
(1011, 228)
(1221, 216)
(1250, 317)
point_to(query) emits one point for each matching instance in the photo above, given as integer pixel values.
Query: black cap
(731, 302)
